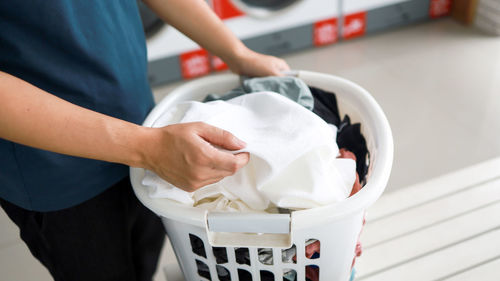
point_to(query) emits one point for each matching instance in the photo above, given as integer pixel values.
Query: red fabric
(359, 247)
(312, 273)
(313, 248)
(356, 187)
(344, 153)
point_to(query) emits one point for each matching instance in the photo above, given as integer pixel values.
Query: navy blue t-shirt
(91, 53)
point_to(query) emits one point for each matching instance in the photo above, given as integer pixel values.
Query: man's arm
(196, 20)
(179, 153)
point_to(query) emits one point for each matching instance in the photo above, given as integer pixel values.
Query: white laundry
(293, 156)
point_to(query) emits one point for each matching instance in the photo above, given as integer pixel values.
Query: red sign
(325, 32)
(225, 9)
(195, 63)
(440, 8)
(354, 25)
(218, 64)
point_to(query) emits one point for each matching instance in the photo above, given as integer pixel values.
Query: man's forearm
(33, 117)
(195, 19)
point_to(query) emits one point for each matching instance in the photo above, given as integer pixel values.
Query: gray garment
(289, 275)
(290, 87)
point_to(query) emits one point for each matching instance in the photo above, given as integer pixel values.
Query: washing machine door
(150, 22)
(264, 8)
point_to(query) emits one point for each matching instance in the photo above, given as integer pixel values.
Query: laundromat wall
(347, 20)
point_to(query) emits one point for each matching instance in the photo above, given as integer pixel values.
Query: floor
(442, 229)
(438, 85)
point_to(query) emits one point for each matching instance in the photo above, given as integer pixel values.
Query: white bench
(447, 228)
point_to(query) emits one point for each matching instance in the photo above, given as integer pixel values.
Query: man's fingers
(220, 137)
(281, 66)
(216, 173)
(187, 158)
(242, 159)
(228, 162)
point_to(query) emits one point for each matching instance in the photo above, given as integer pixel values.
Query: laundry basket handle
(248, 229)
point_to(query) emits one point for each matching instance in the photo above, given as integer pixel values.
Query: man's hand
(196, 19)
(185, 156)
(252, 64)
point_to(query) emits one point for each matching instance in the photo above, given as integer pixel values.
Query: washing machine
(276, 27)
(367, 16)
(171, 55)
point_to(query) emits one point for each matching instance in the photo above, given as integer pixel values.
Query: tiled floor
(16, 262)
(438, 83)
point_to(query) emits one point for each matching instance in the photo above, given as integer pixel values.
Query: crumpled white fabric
(292, 162)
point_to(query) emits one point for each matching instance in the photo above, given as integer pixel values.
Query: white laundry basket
(336, 226)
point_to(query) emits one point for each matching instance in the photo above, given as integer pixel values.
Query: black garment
(348, 135)
(325, 106)
(109, 237)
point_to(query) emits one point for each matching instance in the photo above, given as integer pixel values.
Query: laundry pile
(302, 155)
(295, 160)
(265, 256)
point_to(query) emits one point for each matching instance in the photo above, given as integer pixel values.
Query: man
(73, 88)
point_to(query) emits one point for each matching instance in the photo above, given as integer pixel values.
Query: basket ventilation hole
(242, 255)
(289, 275)
(244, 275)
(197, 245)
(223, 273)
(266, 275)
(288, 255)
(313, 247)
(220, 254)
(203, 269)
(312, 272)
(266, 256)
